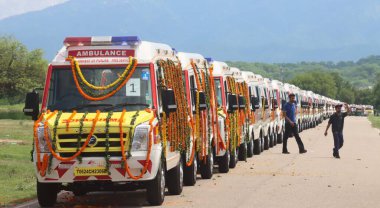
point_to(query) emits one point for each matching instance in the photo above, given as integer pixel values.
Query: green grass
(375, 120)
(16, 170)
(11, 108)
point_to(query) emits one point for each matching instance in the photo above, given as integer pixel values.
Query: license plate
(90, 171)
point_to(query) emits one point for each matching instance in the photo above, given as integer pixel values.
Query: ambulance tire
(190, 173)
(266, 142)
(207, 167)
(271, 140)
(250, 148)
(234, 160)
(274, 139)
(224, 163)
(47, 193)
(175, 179)
(257, 146)
(243, 152)
(155, 190)
(280, 138)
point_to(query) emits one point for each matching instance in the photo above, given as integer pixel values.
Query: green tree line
(352, 82)
(20, 70)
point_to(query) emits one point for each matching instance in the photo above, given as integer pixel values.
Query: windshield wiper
(90, 105)
(126, 104)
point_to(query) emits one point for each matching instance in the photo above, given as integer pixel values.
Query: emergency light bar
(209, 60)
(102, 40)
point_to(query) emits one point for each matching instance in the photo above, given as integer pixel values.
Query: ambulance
(114, 116)
(243, 113)
(199, 89)
(262, 112)
(255, 126)
(267, 114)
(227, 103)
(279, 99)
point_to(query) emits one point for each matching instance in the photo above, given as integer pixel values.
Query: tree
(20, 70)
(319, 82)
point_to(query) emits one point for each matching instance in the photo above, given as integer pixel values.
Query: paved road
(315, 179)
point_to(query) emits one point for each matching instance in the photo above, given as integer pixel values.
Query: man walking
(337, 122)
(289, 110)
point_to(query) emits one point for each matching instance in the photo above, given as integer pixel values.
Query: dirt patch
(12, 141)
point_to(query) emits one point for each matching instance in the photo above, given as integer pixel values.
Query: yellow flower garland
(102, 87)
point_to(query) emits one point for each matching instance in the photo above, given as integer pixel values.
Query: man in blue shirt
(289, 110)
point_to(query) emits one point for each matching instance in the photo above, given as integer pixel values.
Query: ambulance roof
(236, 73)
(248, 76)
(185, 59)
(219, 68)
(102, 46)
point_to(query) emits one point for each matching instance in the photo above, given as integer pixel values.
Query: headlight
(41, 140)
(140, 139)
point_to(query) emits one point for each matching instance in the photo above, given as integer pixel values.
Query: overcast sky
(10, 8)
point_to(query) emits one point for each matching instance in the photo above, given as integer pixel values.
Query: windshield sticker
(145, 75)
(133, 87)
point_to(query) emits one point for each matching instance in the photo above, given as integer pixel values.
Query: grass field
(16, 170)
(375, 120)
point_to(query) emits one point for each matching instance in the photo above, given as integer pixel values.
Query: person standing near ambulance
(337, 122)
(289, 111)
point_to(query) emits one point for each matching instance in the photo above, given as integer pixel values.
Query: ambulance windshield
(136, 94)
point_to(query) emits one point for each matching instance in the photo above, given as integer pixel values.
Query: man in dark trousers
(337, 122)
(289, 110)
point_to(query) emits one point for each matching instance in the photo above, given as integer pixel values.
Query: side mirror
(232, 102)
(168, 101)
(32, 107)
(202, 101)
(255, 103)
(304, 104)
(241, 101)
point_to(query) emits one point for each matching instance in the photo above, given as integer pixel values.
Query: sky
(9, 8)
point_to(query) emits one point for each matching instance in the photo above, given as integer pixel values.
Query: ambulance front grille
(67, 145)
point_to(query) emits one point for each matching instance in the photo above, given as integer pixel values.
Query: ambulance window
(218, 92)
(159, 92)
(275, 94)
(250, 91)
(265, 93)
(192, 89)
(257, 91)
(225, 88)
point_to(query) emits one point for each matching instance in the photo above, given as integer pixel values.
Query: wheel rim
(180, 174)
(162, 182)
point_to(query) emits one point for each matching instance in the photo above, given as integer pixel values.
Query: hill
(361, 74)
(271, 31)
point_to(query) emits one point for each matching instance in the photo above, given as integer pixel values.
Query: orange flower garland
(88, 97)
(80, 150)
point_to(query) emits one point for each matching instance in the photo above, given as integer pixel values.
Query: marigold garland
(124, 159)
(74, 68)
(175, 127)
